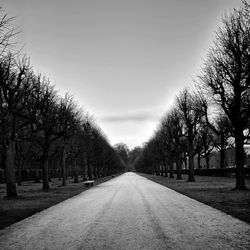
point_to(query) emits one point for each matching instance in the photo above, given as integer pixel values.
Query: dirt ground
(128, 212)
(214, 191)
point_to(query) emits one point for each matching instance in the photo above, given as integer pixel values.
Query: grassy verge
(214, 191)
(31, 199)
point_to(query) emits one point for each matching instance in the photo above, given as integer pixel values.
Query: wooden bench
(89, 183)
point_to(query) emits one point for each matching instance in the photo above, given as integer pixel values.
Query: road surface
(128, 212)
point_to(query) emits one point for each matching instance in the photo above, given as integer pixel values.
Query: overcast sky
(123, 61)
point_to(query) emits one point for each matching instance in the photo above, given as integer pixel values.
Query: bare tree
(207, 141)
(87, 129)
(165, 146)
(162, 156)
(68, 120)
(189, 105)
(7, 32)
(175, 128)
(11, 79)
(222, 128)
(226, 76)
(13, 86)
(42, 108)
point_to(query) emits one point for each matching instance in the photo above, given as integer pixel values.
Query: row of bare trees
(41, 130)
(217, 109)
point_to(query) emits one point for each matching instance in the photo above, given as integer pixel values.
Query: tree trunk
(166, 170)
(171, 170)
(64, 166)
(75, 172)
(10, 154)
(45, 165)
(19, 173)
(10, 169)
(37, 177)
(239, 160)
(59, 174)
(90, 171)
(222, 152)
(199, 160)
(222, 158)
(185, 160)
(104, 170)
(207, 160)
(191, 161)
(178, 168)
(72, 171)
(85, 167)
(158, 170)
(166, 167)
(97, 170)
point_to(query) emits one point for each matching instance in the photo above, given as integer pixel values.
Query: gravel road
(128, 212)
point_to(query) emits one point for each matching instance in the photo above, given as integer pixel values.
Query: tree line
(41, 130)
(214, 109)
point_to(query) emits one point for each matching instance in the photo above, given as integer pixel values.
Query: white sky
(124, 61)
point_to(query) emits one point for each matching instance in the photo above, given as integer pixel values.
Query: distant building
(214, 158)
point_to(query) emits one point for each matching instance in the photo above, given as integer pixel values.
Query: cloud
(134, 117)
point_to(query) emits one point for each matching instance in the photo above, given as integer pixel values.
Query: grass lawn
(214, 191)
(31, 199)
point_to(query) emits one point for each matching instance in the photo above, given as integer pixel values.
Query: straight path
(128, 212)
